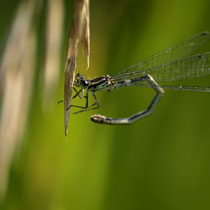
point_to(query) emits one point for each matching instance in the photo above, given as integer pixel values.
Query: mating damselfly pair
(176, 63)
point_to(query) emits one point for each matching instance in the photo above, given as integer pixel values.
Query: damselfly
(158, 71)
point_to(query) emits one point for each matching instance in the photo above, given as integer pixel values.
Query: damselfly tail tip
(97, 118)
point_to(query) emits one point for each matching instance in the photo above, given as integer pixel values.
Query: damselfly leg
(91, 107)
(86, 107)
(78, 93)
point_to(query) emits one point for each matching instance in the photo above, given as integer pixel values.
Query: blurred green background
(161, 162)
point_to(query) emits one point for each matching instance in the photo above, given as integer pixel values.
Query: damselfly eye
(80, 81)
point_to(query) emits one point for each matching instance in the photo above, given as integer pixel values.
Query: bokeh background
(161, 162)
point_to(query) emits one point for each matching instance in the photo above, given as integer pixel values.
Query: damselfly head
(80, 81)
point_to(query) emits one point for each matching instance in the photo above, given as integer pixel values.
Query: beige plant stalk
(54, 34)
(79, 32)
(16, 79)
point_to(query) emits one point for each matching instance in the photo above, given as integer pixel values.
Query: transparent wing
(177, 51)
(185, 68)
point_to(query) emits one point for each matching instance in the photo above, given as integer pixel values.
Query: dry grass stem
(54, 34)
(16, 73)
(79, 32)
